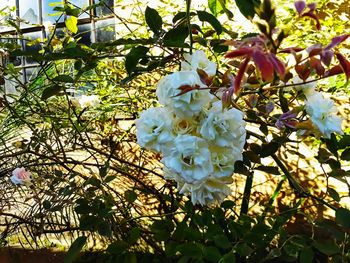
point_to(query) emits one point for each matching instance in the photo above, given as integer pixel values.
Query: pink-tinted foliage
(300, 6)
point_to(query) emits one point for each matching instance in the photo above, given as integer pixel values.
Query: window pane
(106, 9)
(49, 15)
(80, 4)
(84, 33)
(31, 73)
(105, 30)
(29, 11)
(28, 46)
(5, 13)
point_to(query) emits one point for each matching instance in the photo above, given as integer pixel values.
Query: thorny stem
(188, 9)
(246, 194)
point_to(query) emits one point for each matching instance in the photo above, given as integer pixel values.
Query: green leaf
(218, 48)
(118, 247)
(130, 196)
(51, 91)
(344, 142)
(306, 255)
(252, 156)
(75, 249)
(243, 249)
(222, 241)
(268, 169)
(133, 57)
(332, 144)
(170, 248)
(345, 155)
(162, 229)
(241, 168)
(179, 16)
(104, 229)
(207, 17)
(109, 178)
(68, 10)
(267, 149)
(327, 247)
(63, 78)
(88, 222)
(211, 254)
(215, 6)
(153, 20)
(334, 194)
(71, 23)
(130, 258)
(134, 235)
(247, 7)
(82, 208)
(176, 37)
(218, 7)
(228, 258)
(191, 250)
(93, 181)
(228, 204)
(342, 217)
(47, 204)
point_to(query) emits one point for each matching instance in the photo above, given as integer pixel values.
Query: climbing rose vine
(199, 139)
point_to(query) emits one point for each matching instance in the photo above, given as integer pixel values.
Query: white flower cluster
(323, 114)
(200, 141)
(322, 111)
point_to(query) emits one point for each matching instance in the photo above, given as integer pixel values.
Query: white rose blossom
(88, 101)
(224, 127)
(210, 191)
(223, 160)
(184, 126)
(21, 176)
(188, 104)
(189, 157)
(206, 192)
(307, 88)
(198, 60)
(323, 114)
(154, 128)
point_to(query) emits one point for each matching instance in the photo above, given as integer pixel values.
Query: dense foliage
(72, 172)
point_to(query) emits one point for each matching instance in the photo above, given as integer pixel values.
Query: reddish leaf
(336, 41)
(312, 6)
(226, 98)
(315, 17)
(314, 51)
(287, 77)
(252, 100)
(326, 57)
(226, 78)
(345, 64)
(303, 71)
(186, 88)
(239, 53)
(334, 71)
(278, 65)
(300, 6)
(240, 74)
(291, 50)
(270, 106)
(317, 66)
(265, 66)
(205, 79)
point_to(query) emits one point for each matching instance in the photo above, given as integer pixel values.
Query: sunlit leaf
(71, 23)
